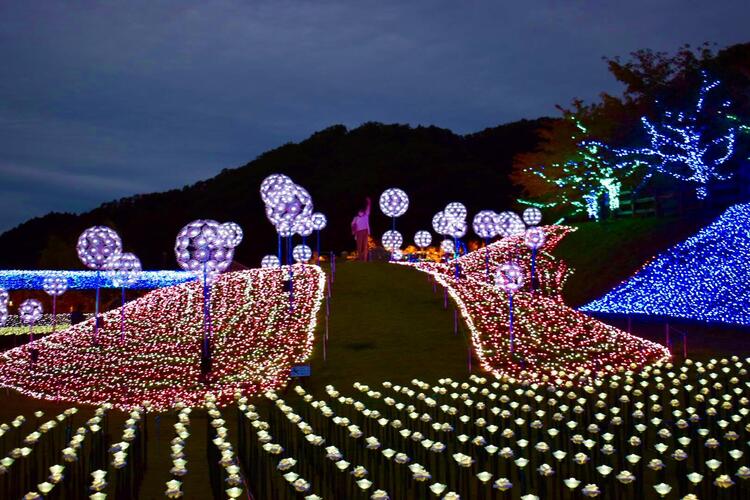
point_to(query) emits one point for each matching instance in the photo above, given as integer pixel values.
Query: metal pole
(54, 313)
(96, 310)
(533, 268)
(512, 344)
(317, 244)
(487, 259)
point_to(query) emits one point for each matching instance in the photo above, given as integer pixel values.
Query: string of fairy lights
(257, 340)
(703, 278)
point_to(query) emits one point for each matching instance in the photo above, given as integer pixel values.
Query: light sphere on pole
(394, 202)
(124, 270)
(456, 211)
(422, 239)
(302, 253)
(96, 245)
(55, 285)
(440, 223)
(509, 224)
(397, 255)
(484, 224)
(509, 277)
(3, 315)
(200, 248)
(273, 186)
(4, 297)
(532, 216)
(392, 240)
(319, 221)
(232, 233)
(448, 247)
(534, 238)
(303, 225)
(269, 261)
(30, 311)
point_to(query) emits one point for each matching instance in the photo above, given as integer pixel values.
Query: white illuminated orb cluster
(447, 247)
(124, 270)
(269, 261)
(97, 245)
(394, 202)
(303, 226)
(302, 253)
(532, 216)
(451, 221)
(233, 234)
(55, 285)
(422, 239)
(30, 311)
(397, 255)
(392, 240)
(509, 224)
(285, 201)
(534, 238)
(509, 277)
(484, 224)
(319, 221)
(201, 247)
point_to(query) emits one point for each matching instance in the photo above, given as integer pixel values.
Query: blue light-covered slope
(704, 278)
(86, 280)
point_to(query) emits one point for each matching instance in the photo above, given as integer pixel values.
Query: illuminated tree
(589, 174)
(689, 146)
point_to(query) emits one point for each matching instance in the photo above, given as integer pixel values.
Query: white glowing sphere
(319, 221)
(201, 248)
(273, 186)
(457, 228)
(456, 211)
(303, 225)
(397, 255)
(270, 261)
(285, 229)
(484, 224)
(447, 246)
(124, 270)
(302, 253)
(509, 277)
(394, 202)
(97, 245)
(532, 216)
(422, 239)
(30, 311)
(56, 285)
(440, 223)
(534, 238)
(3, 315)
(509, 224)
(4, 297)
(232, 233)
(392, 240)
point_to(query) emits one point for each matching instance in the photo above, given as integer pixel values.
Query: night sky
(100, 100)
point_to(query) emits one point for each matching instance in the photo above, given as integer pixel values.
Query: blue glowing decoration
(704, 278)
(688, 145)
(86, 280)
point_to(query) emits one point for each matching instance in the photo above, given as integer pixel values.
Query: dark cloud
(100, 100)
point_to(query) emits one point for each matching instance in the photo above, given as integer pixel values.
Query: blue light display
(86, 280)
(704, 278)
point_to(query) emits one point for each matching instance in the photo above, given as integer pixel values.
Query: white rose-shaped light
(302, 253)
(96, 245)
(269, 261)
(394, 202)
(392, 240)
(532, 216)
(422, 239)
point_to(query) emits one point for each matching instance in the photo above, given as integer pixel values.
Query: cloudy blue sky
(100, 100)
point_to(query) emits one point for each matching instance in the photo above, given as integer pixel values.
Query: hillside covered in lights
(256, 340)
(550, 337)
(704, 278)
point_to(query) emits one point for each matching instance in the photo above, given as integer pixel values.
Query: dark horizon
(102, 101)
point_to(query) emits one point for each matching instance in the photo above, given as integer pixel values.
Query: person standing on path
(361, 231)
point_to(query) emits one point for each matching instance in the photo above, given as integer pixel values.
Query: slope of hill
(338, 166)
